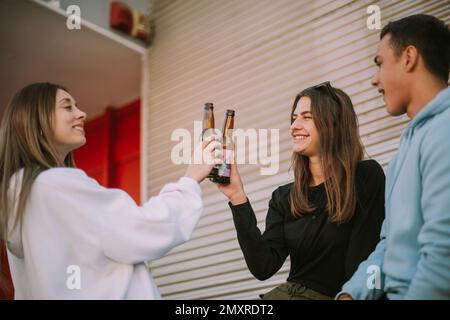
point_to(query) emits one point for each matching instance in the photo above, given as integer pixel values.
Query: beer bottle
(224, 170)
(208, 130)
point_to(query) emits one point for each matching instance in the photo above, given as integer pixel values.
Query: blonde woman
(57, 221)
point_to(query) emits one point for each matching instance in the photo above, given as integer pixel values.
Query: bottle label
(224, 170)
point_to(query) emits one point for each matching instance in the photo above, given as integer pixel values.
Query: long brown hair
(26, 142)
(340, 149)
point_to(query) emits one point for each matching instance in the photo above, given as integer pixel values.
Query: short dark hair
(429, 35)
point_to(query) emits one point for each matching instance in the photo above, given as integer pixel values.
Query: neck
(315, 166)
(61, 158)
(423, 90)
(62, 155)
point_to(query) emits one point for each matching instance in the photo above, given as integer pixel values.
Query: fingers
(212, 153)
(209, 139)
(213, 146)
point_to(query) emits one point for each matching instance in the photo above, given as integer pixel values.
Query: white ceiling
(36, 46)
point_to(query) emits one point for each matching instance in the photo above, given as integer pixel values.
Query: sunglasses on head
(324, 85)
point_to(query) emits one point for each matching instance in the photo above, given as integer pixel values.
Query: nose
(297, 124)
(81, 114)
(375, 81)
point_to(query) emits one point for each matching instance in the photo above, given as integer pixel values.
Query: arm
(132, 234)
(111, 220)
(432, 277)
(264, 254)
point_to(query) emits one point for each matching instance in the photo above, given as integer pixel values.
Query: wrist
(345, 296)
(194, 177)
(238, 198)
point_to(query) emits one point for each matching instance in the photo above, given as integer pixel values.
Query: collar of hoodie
(437, 105)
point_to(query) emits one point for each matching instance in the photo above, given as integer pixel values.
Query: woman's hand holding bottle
(235, 189)
(208, 154)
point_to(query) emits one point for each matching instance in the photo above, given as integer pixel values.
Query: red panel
(111, 154)
(127, 131)
(125, 151)
(90, 157)
(127, 177)
(6, 289)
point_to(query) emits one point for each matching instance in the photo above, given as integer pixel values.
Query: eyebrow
(305, 112)
(67, 100)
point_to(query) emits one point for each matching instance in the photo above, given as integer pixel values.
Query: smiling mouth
(79, 128)
(300, 137)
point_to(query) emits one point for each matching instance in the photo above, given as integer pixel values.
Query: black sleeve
(367, 223)
(264, 254)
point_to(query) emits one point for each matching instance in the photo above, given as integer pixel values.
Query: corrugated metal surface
(253, 56)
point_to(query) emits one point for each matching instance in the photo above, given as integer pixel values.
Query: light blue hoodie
(413, 254)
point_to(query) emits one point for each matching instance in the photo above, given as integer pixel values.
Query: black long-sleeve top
(324, 255)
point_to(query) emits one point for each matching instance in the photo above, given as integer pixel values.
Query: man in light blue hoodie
(412, 259)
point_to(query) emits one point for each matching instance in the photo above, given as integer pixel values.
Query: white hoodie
(74, 227)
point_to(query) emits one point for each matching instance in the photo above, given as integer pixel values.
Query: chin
(296, 149)
(299, 151)
(79, 144)
(395, 109)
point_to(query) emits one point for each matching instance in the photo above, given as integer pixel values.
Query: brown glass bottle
(224, 170)
(208, 130)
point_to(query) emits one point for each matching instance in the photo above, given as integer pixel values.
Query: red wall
(111, 156)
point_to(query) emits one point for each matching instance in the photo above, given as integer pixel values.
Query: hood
(437, 105)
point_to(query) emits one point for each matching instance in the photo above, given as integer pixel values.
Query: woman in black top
(329, 219)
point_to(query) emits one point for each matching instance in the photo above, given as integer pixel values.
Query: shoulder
(284, 189)
(369, 170)
(434, 146)
(437, 130)
(58, 177)
(282, 193)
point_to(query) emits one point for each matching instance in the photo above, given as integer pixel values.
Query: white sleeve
(129, 233)
(135, 234)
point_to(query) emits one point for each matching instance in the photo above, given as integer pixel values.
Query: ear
(410, 58)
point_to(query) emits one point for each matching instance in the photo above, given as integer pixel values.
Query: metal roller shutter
(253, 56)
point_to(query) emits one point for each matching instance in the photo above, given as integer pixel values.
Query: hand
(235, 189)
(345, 296)
(208, 154)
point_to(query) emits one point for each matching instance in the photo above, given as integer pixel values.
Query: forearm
(262, 258)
